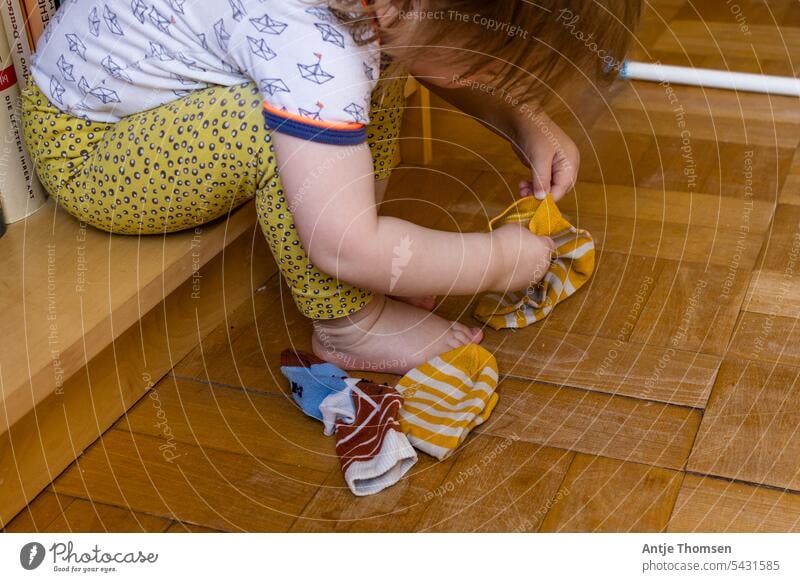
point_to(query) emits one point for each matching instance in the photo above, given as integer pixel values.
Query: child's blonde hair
(532, 47)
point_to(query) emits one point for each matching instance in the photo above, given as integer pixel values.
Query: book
(38, 14)
(17, 36)
(21, 194)
(2, 221)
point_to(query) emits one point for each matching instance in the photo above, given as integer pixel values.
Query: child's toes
(476, 334)
(456, 340)
(462, 335)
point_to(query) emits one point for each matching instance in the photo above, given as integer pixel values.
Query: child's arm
(331, 193)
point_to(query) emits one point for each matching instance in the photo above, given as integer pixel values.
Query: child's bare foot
(388, 336)
(426, 302)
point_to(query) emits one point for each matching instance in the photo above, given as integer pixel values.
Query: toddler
(152, 116)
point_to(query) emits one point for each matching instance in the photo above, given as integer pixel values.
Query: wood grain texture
(246, 352)
(397, 509)
(751, 429)
(183, 527)
(39, 513)
(790, 193)
(693, 307)
(614, 366)
(775, 285)
(782, 12)
(84, 516)
(491, 484)
(711, 38)
(612, 157)
(750, 174)
(774, 293)
(664, 206)
(607, 495)
(644, 96)
(610, 304)
(706, 504)
(590, 422)
(458, 141)
(206, 487)
(268, 427)
(766, 338)
(659, 221)
(704, 132)
(656, 17)
(496, 485)
(454, 199)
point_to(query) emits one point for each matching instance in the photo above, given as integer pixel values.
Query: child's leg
(353, 328)
(167, 169)
(178, 166)
(187, 162)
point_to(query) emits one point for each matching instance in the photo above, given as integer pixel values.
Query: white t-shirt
(106, 59)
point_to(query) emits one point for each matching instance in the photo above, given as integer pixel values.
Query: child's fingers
(542, 168)
(564, 176)
(565, 171)
(559, 189)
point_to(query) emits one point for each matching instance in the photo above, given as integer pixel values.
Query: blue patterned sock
(311, 379)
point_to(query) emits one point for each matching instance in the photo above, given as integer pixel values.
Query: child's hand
(550, 153)
(523, 258)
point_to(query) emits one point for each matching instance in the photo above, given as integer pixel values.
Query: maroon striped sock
(373, 451)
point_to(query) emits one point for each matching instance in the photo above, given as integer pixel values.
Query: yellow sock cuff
(445, 398)
(572, 268)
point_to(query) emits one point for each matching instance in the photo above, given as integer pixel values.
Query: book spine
(20, 190)
(2, 220)
(39, 13)
(13, 16)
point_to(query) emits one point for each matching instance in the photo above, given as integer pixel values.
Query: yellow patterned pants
(188, 162)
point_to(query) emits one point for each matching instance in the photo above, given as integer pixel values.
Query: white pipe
(711, 78)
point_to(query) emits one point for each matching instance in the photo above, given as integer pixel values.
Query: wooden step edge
(49, 376)
(43, 442)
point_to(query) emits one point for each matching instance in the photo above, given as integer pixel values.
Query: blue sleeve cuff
(317, 132)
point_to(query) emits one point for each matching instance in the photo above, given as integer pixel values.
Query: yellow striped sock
(445, 398)
(573, 266)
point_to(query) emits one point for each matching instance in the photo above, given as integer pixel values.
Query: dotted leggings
(188, 162)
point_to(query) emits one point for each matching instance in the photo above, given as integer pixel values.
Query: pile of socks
(372, 450)
(436, 405)
(377, 427)
(569, 271)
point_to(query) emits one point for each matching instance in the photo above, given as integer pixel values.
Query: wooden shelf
(72, 357)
